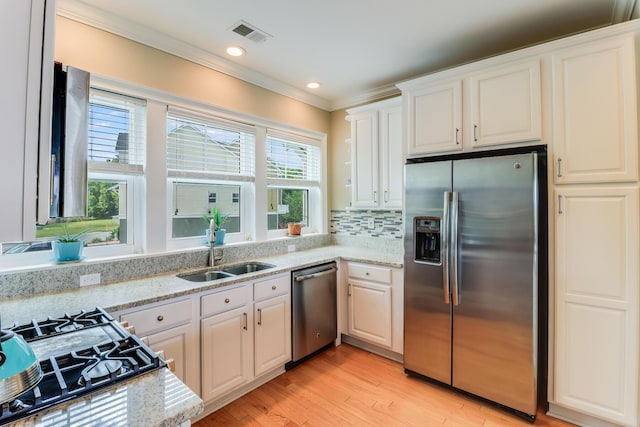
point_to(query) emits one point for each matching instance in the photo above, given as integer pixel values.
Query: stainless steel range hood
(69, 139)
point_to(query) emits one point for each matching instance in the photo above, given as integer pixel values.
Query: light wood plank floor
(346, 386)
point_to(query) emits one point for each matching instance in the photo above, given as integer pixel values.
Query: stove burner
(100, 370)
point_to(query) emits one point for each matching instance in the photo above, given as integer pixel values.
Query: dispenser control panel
(427, 240)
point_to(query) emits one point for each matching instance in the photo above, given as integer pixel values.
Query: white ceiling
(357, 49)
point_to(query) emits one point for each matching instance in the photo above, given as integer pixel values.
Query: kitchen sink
(204, 275)
(246, 267)
(217, 273)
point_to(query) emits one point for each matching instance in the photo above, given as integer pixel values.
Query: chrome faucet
(212, 252)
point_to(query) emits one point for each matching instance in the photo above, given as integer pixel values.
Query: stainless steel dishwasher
(314, 312)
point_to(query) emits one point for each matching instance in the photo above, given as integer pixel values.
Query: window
(287, 205)
(211, 163)
(191, 205)
(115, 154)
(293, 179)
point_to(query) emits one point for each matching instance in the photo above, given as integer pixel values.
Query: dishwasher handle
(314, 275)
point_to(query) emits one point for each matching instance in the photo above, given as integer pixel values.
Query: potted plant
(67, 246)
(294, 228)
(219, 221)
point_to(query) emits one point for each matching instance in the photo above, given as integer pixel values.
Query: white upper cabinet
(391, 156)
(377, 155)
(364, 163)
(434, 117)
(25, 47)
(595, 113)
(505, 105)
(457, 111)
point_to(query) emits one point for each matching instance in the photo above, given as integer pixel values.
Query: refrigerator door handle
(454, 250)
(444, 247)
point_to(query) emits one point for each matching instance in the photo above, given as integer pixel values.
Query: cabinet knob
(367, 273)
(273, 288)
(160, 318)
(227, 300)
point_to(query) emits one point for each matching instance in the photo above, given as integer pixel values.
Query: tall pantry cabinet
(26, 80)
(595, 145)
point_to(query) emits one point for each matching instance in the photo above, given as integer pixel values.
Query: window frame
(316, 199)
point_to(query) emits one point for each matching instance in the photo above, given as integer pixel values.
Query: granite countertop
(134, 293)
(154, 399)
(157, 398)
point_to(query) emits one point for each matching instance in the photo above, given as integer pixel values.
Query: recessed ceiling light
(313, 85)
(235, 51)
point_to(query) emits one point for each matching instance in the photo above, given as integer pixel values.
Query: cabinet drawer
(220, 302)
(271, 288)
(369, 272)
(159, 318)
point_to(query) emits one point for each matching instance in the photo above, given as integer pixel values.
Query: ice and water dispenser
(427, 239)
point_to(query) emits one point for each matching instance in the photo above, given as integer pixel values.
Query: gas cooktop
(78, 354)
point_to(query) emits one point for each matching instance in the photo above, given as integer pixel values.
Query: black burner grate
(59, 325)
(82, 370)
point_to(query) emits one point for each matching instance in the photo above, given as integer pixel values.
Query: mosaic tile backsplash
(386, 224)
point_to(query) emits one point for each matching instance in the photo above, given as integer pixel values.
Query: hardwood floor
(349, 386)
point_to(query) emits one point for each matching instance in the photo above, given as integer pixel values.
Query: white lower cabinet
(596, 279)
(226, 333)
(226, 351)
(272, 319)
(245, 332)
(370, 311)
(374, 305)
(169, 327)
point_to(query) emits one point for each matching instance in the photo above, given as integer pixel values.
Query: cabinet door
(364, 167)
(594, 112)
(272, 333)
(227, 352)
(434, 118)
(181, 345)
(392, 157)
(505, 105)
(370, 311)
(596, 279)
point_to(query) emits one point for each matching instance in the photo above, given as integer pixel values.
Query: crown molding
(366, 97)
(106, 21)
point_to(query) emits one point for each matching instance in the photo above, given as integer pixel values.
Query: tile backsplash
(367, 223)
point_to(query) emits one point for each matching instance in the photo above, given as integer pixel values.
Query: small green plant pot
(67, 251)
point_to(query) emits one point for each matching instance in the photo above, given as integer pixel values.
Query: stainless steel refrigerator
(472, 249)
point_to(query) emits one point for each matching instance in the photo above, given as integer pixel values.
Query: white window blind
(292, 157)
(117, 131)
(208, 147)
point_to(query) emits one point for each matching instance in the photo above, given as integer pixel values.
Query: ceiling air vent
(250, 32)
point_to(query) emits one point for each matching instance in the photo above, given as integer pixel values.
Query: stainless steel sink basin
(246, 267)
(216, 273)
(204, 275)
